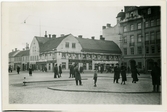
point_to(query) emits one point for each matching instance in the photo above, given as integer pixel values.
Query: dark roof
(12, 53)
(121, 14)
(41, 41)
(52, 43)
(100, 46)
(23, 53)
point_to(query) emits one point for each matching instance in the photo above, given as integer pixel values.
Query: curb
(101, 91)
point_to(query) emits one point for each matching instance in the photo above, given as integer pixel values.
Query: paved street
(44, 89)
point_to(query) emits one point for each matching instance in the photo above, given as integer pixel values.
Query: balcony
(132, 44)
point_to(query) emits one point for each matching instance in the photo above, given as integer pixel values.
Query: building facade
(140, 35)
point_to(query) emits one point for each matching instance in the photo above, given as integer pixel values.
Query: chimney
(27, 46)
(53, 36)
(49, 35)
(93, 37)
(80, 36)
(103, 27)
(62, 35)
(45, 33)
(15, 49)
(108, 25)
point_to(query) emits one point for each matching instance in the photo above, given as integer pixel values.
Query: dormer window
(149, 11)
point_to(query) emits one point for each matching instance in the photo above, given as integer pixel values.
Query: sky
(29, 19)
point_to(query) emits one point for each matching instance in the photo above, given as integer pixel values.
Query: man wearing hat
(55, 71)
(116, 73)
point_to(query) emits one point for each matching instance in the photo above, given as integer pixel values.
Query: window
(125, 29)
(152, 49)
(147, 49)
(131, 14)
(158, 21)
(152, 38)
(124, 39)
(149, 11)
(139, 65)
(131, 40)
(67, 44)
(90, 66)
(152, 22)
(146, 24)
(132, 50)
(158, 49)
(125, 51)
(158, 37)
(131, 27)
(139, 49)
(139, 38)
(73, 45)
(63, 65)
(139, 26)
(63, 55)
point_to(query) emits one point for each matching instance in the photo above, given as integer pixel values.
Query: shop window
(63, 65)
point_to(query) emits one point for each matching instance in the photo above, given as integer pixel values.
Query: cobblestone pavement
(38, 92)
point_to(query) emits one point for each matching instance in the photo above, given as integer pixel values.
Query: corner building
(141, 36)
(68, 49)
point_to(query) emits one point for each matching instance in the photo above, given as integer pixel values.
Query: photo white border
(88, 107)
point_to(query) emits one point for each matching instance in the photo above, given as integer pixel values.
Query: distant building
(113, 33)
(68, 49)
(11, 58)
(141, 36)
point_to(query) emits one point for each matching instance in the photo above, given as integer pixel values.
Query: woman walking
(123, 74)
(134, 74)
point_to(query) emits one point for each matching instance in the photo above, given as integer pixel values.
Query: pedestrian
(156, 74)
(60, 70)
(45, 69)
(134, 74)
(72, 74)
(116, 73)
(55, 71)
(18, 69)
(95, 77)
(123, 74)
(30, 70)
(77, 75)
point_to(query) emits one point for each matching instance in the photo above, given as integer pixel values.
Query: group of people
(57, 71)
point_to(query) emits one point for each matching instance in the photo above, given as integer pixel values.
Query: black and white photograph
(86, 53)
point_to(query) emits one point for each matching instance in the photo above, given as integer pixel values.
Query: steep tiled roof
(41, 41)
(101, 46)
(12, 53)
(23, 53)
(52, 43)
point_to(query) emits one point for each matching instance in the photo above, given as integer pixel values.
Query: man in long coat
(60, 70)
(123, 73)
(116, 73)
(55, 71)
(72, 74)
(134, 74)
(156, 74)
(18, 69)
(77, 75)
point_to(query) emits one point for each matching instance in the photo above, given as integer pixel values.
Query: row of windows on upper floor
(24, 58)
(139, 25)
(151, 37)
(148, 50)
(67, 45)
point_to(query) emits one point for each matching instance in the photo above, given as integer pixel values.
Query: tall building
(140, 36)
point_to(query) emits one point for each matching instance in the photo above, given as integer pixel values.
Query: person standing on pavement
(134, 74)
(116, 73)
(30, 70)
(18, 69)
(55, 71)
(123, 74)
(72, 71)
(156, 74)
(77, 75)
(95, 77)
(60, 70)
